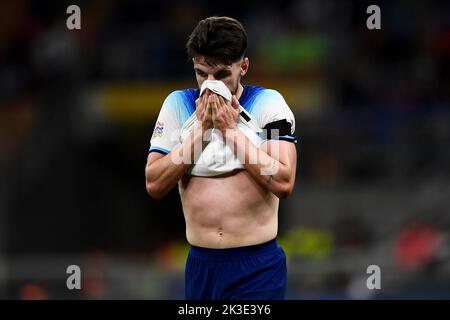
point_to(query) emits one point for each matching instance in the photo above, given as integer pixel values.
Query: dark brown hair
(218, 39)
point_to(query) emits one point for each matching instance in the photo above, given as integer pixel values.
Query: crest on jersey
(159, 129)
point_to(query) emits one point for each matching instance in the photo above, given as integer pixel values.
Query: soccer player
(230, 208)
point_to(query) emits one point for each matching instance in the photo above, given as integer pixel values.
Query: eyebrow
(199, 70)
(225, 70)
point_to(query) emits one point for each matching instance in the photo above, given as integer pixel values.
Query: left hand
(224, 113)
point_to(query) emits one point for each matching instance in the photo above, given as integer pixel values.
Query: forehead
(203, 64)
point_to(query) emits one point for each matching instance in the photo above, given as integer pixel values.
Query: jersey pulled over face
(261, 110)
(230, 74)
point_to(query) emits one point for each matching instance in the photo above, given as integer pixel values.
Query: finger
(222, 102)
(217, 103)
(212, 111)
(214, 105)
(235, 102)
(205, 99)
(212, 99)
(208, 109)
(209, 99)
(201, 104)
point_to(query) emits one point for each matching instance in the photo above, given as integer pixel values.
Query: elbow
(154, 191)
(284, 190)
(153, 188)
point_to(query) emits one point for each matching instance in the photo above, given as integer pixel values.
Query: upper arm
(274, 116)
(167, 128)
(278, 121)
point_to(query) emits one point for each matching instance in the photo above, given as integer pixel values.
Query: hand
(203, 112)
(224, 113)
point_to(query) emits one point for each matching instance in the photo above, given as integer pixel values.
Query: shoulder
(181, 102)
(266, 100)
(270, 107)
(270, 95)
(253, 97)
(183, 96)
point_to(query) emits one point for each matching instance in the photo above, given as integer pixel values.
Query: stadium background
(77, 109)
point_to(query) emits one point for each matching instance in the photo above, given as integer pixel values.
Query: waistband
(234, 253)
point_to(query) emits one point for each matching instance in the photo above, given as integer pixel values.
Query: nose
(211, 77)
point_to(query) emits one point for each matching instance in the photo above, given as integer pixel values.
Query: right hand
(203, 111)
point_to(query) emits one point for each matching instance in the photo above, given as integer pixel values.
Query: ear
(244, 66)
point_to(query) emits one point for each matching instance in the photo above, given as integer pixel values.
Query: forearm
(265, 169)
(163, 174)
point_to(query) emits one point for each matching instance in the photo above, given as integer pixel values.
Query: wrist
(232, 134)
(205, 135)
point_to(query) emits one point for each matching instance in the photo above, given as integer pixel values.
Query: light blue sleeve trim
(159, 149)
(283, 138)
(288, 138)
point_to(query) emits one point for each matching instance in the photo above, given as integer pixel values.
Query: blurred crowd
(372, 118)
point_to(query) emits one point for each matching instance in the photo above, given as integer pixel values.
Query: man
(231, 211)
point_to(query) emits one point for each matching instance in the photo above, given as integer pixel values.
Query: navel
(220, 235)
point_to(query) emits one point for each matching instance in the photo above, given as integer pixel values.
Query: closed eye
(201, 73)
(222, 74)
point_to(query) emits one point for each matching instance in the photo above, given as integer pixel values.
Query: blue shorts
(256, 272)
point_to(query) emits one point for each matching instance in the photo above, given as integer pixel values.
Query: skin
(239, 208)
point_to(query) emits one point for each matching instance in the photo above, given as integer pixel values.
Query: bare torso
(227, 211)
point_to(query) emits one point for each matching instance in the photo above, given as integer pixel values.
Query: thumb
(235, 102)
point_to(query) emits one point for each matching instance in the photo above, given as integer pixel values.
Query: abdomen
(233, 205)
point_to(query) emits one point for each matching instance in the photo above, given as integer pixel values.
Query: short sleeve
(166, 131)
(274, 116)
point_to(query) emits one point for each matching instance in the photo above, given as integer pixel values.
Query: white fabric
(216, 86)
(218, 157)
(174, 125)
